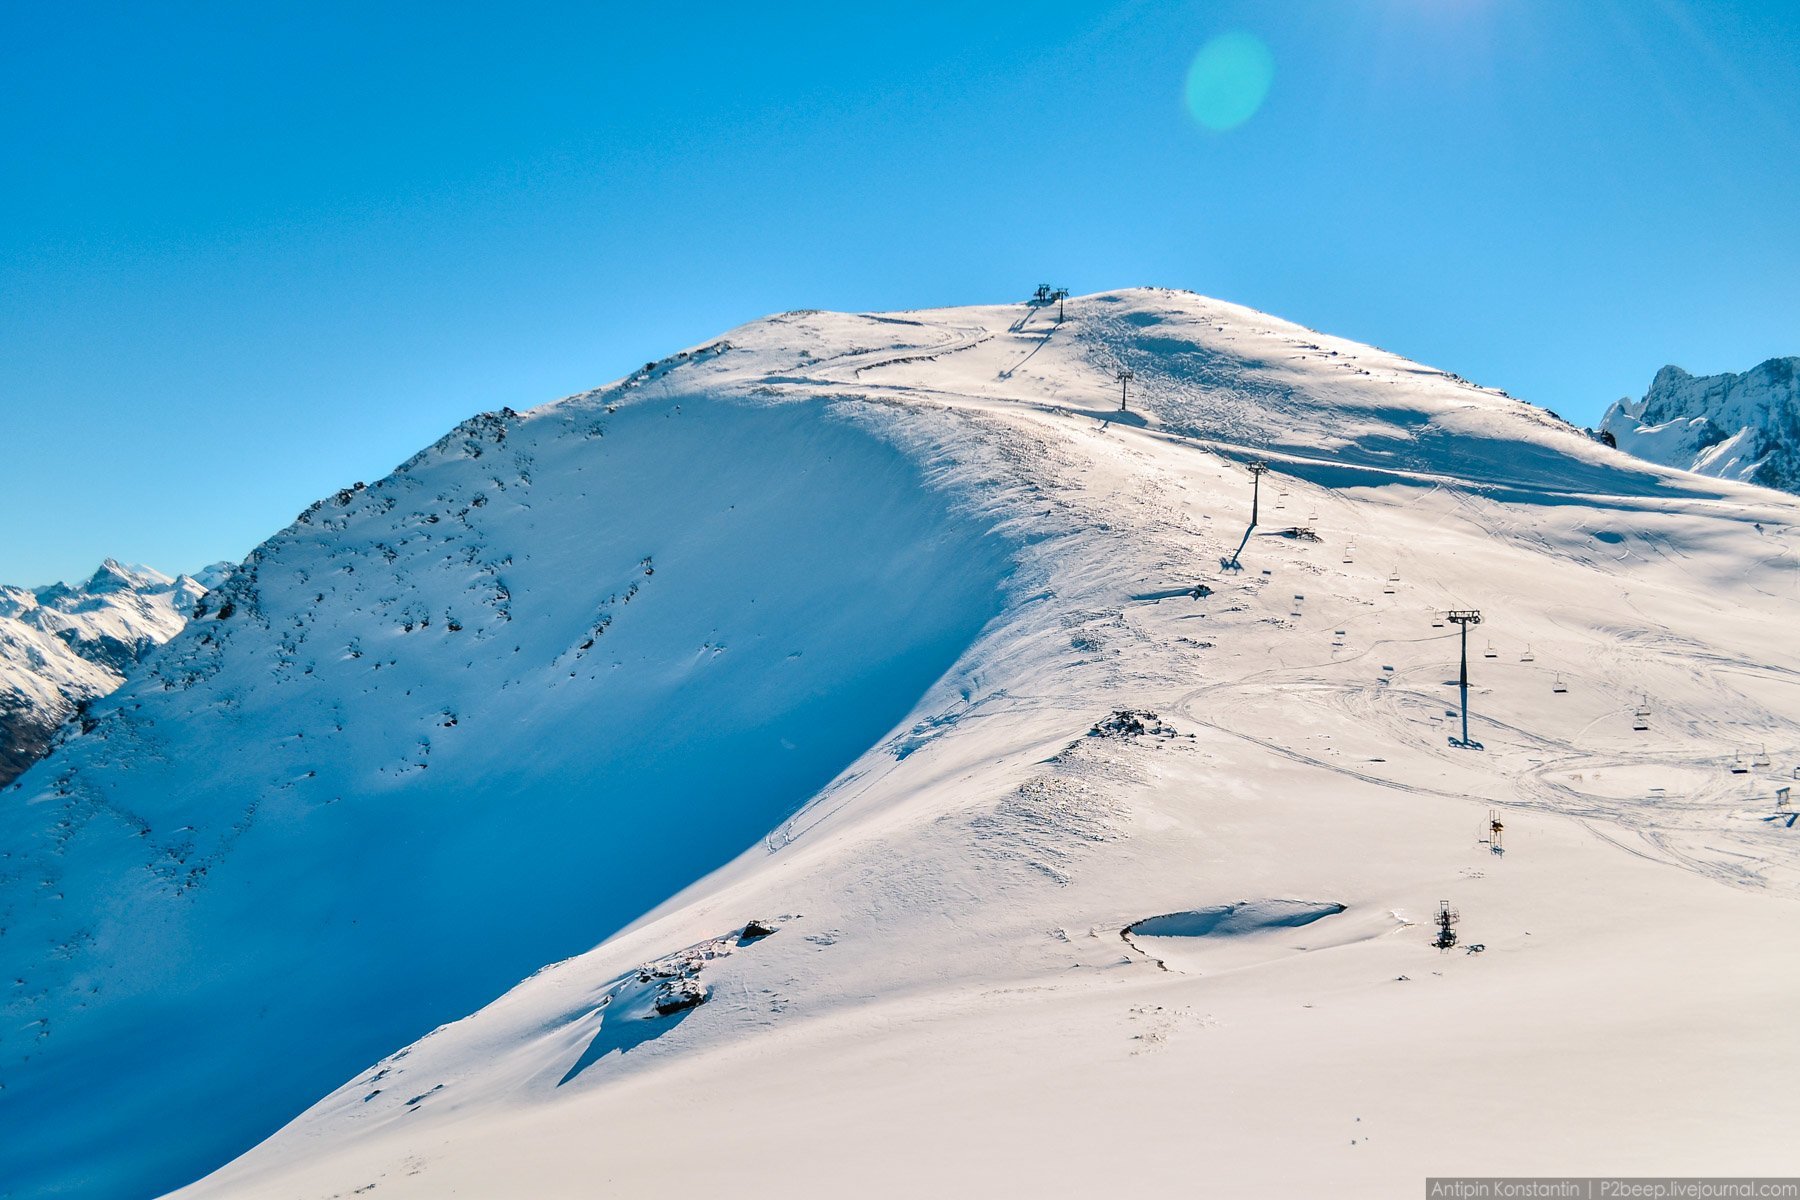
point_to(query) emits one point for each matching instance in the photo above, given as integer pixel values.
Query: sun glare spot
(1229, 80)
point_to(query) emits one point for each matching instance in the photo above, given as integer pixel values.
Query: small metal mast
(1258, 469)
(1495, 829)
(1125, 377)
(1447, 918)
(1464, 617)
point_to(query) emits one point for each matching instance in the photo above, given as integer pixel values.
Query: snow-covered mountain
(66, 644)
(982, 802)
(1728, 426)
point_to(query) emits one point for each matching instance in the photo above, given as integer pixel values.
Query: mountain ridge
(451, 715)
(63, 645)
(1742, 426)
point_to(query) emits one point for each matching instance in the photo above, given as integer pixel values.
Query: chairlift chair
(1528, 656)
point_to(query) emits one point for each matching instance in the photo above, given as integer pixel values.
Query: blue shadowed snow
(457, 725)
(1231, 920)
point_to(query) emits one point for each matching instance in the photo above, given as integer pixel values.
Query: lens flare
(1229, 80)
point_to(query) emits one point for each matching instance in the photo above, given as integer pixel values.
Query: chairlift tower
(1464, 617)
(1258, 469)
(1496, 828)
(1126, 375)
(1059, 295)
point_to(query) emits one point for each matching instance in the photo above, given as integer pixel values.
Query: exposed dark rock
(1131, 723)
(679, 994)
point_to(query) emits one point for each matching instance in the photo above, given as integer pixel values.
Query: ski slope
(1018, 945)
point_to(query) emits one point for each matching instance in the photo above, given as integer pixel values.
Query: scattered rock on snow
(1131, 723)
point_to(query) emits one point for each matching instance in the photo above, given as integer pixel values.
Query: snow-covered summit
(1728, 426)
(63, 644)
(881, 756)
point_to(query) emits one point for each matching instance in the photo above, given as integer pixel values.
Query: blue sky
(251, 253)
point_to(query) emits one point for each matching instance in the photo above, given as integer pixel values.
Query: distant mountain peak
(1744, 426)
(64, 645)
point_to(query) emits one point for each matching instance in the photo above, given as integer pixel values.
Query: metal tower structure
(1447, 918)
(1464, 617)
(1258, 469)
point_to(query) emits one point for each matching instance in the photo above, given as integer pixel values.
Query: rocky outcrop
(1744, 427)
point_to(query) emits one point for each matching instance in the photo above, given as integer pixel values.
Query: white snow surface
(810, 626)
(65, 643)
(1744, 426)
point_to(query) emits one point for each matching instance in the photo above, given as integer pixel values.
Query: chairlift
(1737, 765)
(1559, 688)
(1491, 652)
(1528, 656)
(1762, 757)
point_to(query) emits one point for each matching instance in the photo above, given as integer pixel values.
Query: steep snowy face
(65, 644)
(1744, 427)
(444, 729)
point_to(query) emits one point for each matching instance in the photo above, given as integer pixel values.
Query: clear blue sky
(251, 253)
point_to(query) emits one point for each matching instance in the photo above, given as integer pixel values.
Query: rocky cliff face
(1743, 427)
(63, 645)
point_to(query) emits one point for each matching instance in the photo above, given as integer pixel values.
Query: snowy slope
(444, 729)
(838, 599)
(1728, 426)
(65, 644)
